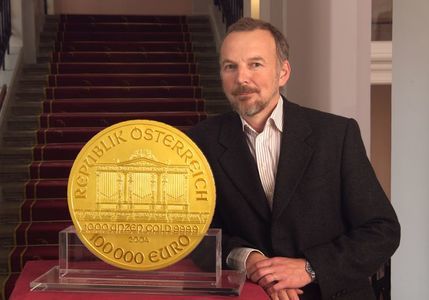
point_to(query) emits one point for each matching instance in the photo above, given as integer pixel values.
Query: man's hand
(256, 266)
(278, 273)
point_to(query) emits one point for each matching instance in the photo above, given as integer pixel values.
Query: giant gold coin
(141, 195)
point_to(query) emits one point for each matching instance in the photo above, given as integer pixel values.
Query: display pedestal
(198, 273)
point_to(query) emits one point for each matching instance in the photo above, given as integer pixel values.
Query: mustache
(244, 89)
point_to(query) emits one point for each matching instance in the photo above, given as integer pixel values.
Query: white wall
(330, 57)
(410, 147)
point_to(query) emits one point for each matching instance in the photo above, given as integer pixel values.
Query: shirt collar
(275, 119)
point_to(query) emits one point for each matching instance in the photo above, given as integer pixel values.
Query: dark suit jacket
(328, 206)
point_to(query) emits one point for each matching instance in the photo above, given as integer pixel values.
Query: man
(297, 200)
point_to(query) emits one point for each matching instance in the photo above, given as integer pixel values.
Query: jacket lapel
(239, 165)
(295, 154)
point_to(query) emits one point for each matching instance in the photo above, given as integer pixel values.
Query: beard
(240, 105)
(248, 110)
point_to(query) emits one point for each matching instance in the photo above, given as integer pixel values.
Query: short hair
(250, 24)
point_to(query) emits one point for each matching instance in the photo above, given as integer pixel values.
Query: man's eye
(229, 67)
(256, 65)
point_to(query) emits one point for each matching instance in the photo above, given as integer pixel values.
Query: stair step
(136, 92)
(128, 80)
(46, 188)
(43, 59)
(14, 191)
(206, 69)
(30, 108)
(46, 35)
(217, 106)
(52, 19)
(200, 27)
(122, 27)
(7, 231)
(107, 119)
(122, 57)
(201, 37)
(54, 151)
(202, 57)
(4, 259)
(38, 233)
(121, 68)
(14, 173)
(10, 212)
(73, 134)
(32, 91)
(36, 69)
(13, 154)
(50, 169)
(33, 81)
(84, 18)
(213, 93)
(198, 19)
(198, 46)
(29, 98)
(46, 48)
(50, 26)
(23, 123)
(210, 80)
(120, 105)
(45, 209)
(21, 254)
(19, 138)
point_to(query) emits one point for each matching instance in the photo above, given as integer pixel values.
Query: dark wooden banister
(232, 10)
(3, 92)
(5, 29)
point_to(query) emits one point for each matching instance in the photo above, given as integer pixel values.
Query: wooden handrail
(232, 10)
(5, 29)
(3, 92)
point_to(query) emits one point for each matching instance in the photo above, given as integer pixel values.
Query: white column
(265, 10)
(247, 8)
(16, 15)
(410, 147)
(276, 14)
(32, 20)
(330, 44)
(201, 7)
(51, 7)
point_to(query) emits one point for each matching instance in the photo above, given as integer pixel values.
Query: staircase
(92, 72)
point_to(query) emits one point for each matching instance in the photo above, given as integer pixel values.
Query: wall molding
(381, 62)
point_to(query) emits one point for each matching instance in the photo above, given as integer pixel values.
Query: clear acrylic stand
(199, 273)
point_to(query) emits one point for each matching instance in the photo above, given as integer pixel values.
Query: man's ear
(284, 73)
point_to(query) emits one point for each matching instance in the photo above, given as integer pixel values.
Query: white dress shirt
(265, 149)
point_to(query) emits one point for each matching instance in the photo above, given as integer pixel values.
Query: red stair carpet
(103, 70)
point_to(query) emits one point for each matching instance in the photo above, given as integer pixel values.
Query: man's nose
(242, 75)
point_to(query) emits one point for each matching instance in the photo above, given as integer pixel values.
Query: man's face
(251, 73)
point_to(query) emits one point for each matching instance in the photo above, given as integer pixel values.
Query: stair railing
(232, 10)
(3, 92)
(5, 30)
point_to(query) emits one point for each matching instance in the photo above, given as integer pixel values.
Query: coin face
(141, 195)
